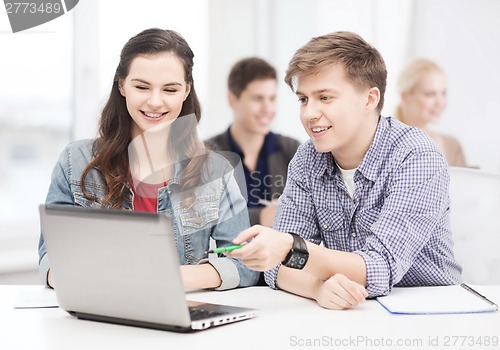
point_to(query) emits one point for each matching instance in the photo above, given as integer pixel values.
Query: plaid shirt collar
(324, 164)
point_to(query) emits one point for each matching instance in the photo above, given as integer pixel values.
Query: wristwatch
(298, 255)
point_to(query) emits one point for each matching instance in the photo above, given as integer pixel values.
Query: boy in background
(265, 155)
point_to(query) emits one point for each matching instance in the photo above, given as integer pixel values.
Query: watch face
(297, 260)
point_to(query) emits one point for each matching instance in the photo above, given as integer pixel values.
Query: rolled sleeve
(227, 271)
(271, 277)
(378, 280)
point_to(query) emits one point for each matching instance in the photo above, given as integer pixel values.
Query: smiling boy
(372, 190)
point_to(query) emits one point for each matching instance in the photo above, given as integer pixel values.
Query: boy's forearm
(298, 282)
(323, 263)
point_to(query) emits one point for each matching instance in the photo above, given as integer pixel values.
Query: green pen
(225, 249)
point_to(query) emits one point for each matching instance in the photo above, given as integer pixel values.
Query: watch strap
(297, 256)
(298, 243)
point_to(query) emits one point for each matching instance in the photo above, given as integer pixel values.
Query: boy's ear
(231, 99)
(373, 98)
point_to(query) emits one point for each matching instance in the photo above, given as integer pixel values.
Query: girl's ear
(404, 96)
(188, 91)
(120, 87)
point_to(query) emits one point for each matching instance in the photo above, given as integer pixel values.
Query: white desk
(285, 321)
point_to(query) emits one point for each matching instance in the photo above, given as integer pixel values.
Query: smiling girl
(423, 91)
(148, 157)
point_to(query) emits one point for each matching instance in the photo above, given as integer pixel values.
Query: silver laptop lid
(115, 263)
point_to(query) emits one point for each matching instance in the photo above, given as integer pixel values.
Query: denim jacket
(219, 210)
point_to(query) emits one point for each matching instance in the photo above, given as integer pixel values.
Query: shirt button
(353, 234)
(325, 226)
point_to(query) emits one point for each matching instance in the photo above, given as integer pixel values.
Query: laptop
(123, 267)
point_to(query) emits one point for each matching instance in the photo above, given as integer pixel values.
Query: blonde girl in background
(423, 88)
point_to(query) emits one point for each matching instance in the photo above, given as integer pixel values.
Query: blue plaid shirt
(397, 220)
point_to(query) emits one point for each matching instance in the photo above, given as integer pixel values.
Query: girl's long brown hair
(110, 149)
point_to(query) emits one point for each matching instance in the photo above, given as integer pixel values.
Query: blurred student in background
(423, 97)
(252, 84)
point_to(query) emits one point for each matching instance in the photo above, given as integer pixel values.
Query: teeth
(153, 115)
(318, 129)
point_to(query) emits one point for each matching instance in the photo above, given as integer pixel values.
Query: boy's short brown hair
(363, 64)
(246, 71)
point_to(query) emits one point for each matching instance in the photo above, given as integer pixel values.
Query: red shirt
(146, 196)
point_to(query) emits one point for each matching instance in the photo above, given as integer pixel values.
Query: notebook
(436, 300)
(123, 267)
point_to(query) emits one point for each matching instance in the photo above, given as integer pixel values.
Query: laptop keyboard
(200, 314)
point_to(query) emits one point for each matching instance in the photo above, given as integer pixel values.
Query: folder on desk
(456, 299)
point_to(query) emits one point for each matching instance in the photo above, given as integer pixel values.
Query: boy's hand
(339, 293)
(266, 248)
